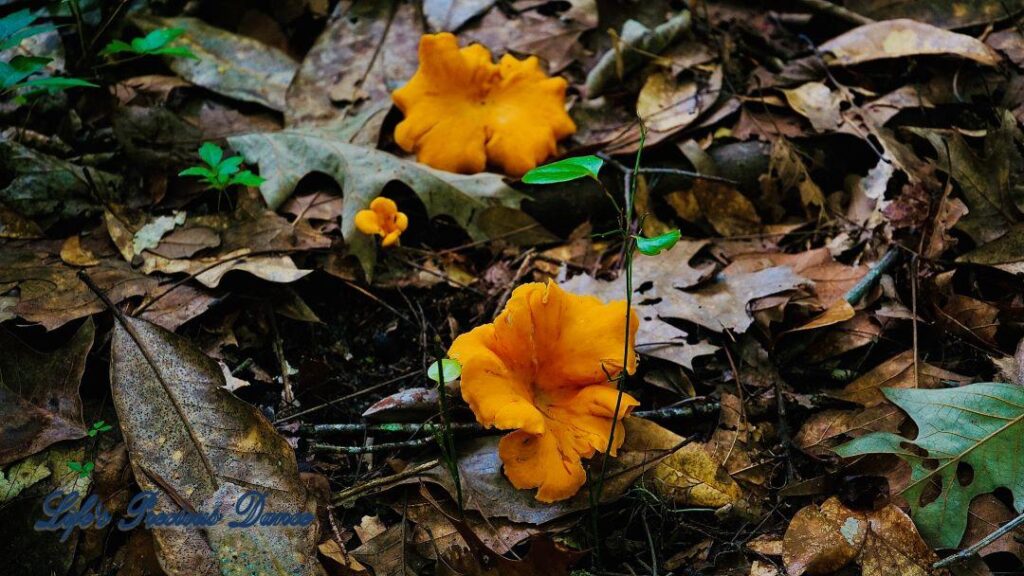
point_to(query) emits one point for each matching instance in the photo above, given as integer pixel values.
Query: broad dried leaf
(825, 430)
(640, 43)
(989, 180)
(938, 12)
(668, 105)
(972, 426)
(896, 372)
(39, 401)
(688, 476)
(231, 65)
(832, 280)
(884, 542)
(286, 157)
(193, 442)
(822, 540)
(902, 38)
(366, 50)
(728, 211)
(50, 190)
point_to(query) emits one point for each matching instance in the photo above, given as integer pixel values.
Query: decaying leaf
(688, 476)
(639, 44)
(366, 51)
(39, 401)
(234, 66)
(896, 372)
(902, 38)
(196, 445)
(821, 540)
(817, 103)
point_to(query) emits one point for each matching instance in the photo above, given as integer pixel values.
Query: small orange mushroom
(382, 219)
(546, 369)
(463, 111)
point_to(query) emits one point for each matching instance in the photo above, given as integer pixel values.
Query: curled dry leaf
(72, 253)
(814, 101)
(902, 38)
(39, 401)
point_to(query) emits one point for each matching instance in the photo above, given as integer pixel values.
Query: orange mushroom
(464, 112)
(546, 368)
(382, 219)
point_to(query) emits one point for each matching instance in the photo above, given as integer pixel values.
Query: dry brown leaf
(884, 542)
(825, 430)
(72, 253)
(728, 211)
(858, 331)
(841, 311)
(896, 372)
(817, 103)
(986, 514)
(668, 105)
(823, 540)
(902, 38)
(39, 401)
(369, 528)
(688, 476)
(832, 280)
(971, 318)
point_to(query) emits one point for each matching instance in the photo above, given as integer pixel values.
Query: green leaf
(230, 166)
(979, 427)
(247, 178)
(211, 154)
(156, 40)
(565, 170)
(451, 368)
(199, 171)
(59, 83)
(116, 47)
(19, 68)
(75, 466)
(654, 246)
(17, 26)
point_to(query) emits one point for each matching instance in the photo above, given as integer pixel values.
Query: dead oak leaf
(896, 372)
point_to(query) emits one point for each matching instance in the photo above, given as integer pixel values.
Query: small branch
(332, 449)
(860, 289)
(687, 173)
(830, 9)
(970, 551)
(360, 489)
(678, 412)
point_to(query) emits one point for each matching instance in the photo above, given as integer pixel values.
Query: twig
(826, 7)
(331, 448)
(868, 280)
(678, 412)
(970, 551)
(359, 489)
(687, 173)
(373, 388)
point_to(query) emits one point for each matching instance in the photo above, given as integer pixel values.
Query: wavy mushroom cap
(463, 111)
(546, 368)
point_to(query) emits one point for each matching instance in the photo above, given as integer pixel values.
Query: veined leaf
(654, 246)
(565, 170)
(196, 445)
(975, 433)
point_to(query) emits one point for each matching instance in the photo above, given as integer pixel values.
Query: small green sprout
(451, 368)
(15, 73)
(156, 43)
(83, 469)
(219, 172)
(654, 246)
(97, 427)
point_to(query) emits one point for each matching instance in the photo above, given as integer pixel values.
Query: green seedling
(156, 43)
(83, 469)
(221, 173)
(99, 426)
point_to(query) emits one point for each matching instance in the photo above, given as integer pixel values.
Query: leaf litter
(829, 204)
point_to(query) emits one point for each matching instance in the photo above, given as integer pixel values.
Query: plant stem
(977, 546)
